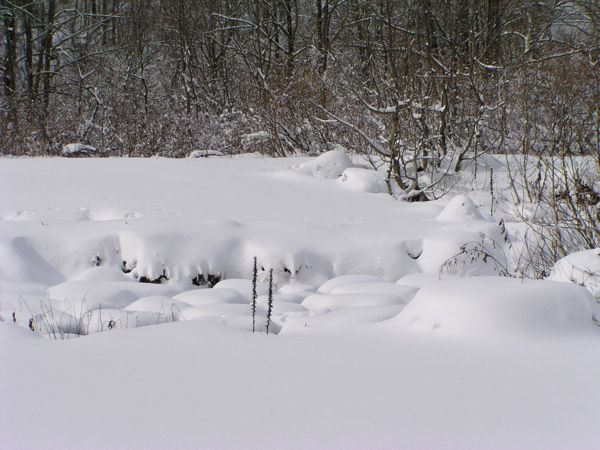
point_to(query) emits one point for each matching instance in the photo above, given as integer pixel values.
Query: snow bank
(328, 165)
(581, 268)
(152, 224)
(483, 307)
(80, 296)
(77, 297)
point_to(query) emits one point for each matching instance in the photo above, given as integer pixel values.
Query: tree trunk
(10, 59)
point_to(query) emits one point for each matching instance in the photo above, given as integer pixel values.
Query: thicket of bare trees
(422, 84)
(422, 87)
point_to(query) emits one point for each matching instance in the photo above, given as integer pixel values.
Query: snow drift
(484, 307)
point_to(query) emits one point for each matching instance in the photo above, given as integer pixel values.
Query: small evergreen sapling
(270, 300)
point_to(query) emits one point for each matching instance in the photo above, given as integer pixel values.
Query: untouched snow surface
(388, 328)
(190, 385)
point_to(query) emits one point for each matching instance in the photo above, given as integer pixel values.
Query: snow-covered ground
(381, 336)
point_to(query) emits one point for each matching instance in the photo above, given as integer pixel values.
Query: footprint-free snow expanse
(111, 261)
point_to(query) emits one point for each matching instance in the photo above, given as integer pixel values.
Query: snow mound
(295, 293)
(137, 319)
(157, 304)
(460, 209)
(242, 287)
(234, 316)
(340, 320)
(493, 306)
(56, 324)
(346, 279)
(200, 297)
(363, 180)
(280, 304)
(581, 268)
(328, 165)
(76, 297)
(419, 279)
(220, 310)
(100, 320)
(102, 274)
(404, 292)
(77, 150)
(330, 302)
(285, 308)
(296, 289)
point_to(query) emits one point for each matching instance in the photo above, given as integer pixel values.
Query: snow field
(392, 328)
(332, 249)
